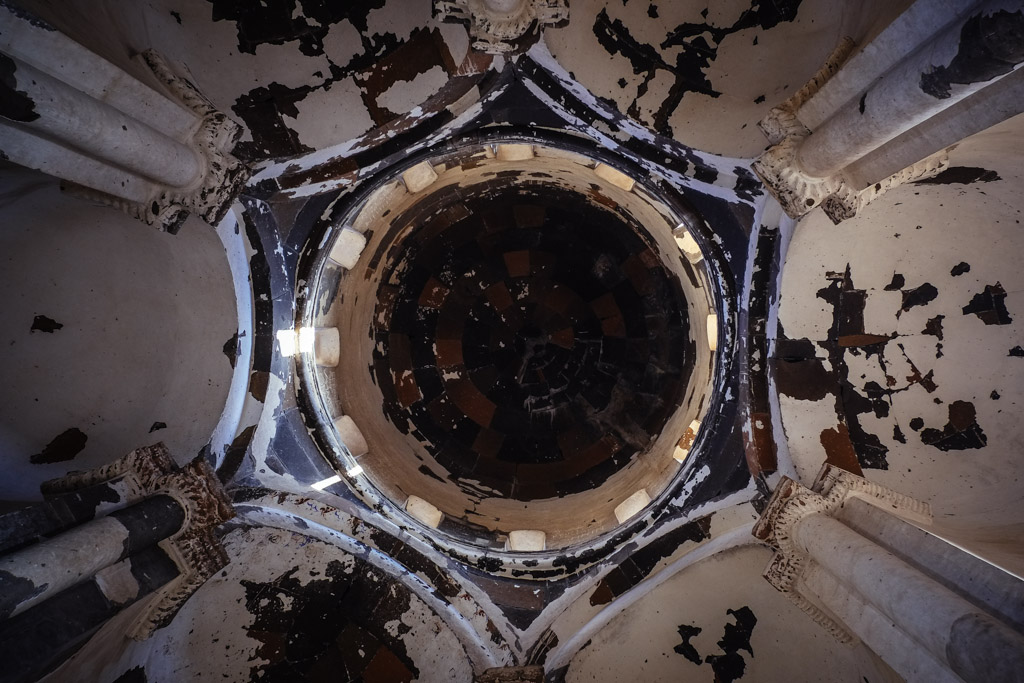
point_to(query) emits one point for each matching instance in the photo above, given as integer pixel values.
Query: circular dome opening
(522, 344)
(529, 339)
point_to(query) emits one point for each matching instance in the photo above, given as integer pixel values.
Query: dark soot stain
(524, 357)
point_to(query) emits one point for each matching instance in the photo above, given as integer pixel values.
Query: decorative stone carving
(512, 674)
(223, 175)
(497, 25)
(797, 191)
(140, 469)
(195, 549)
(792, 501)
(845, 202)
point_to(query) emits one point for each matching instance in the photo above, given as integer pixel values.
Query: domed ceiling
(533, 339)
(521, 326)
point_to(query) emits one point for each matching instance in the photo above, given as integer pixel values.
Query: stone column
(157, 155)
(849, 558)
(941, 72)
(34, 574)
(140, 526)
(36, 641)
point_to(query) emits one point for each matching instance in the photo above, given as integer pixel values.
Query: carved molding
(782, 122)
(195, 548)
(846, 202)
(798, 192)
(495, 30)
(141, 468)
(792, 502)
(214, 137)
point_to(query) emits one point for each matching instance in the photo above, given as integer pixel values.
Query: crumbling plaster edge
(232, 237)
(285, 516)
(734, 538)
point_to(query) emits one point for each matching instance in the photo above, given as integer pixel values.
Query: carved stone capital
(140, 470)
(792, 502)
(796, 191)
(195, 549)
(496, 25)
(213, 138)
(799, 192)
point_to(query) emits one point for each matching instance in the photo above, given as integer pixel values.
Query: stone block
(632, 505)
(351, 436)
(419, 177)
(423, 511)
(348, 247)
(614, 176)
(527, 541)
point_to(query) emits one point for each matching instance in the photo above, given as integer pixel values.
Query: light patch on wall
(324, 483)
(319, 131)
(404, 96)
(288, 341)
(342, 43)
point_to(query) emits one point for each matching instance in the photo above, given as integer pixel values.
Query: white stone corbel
(496, 25)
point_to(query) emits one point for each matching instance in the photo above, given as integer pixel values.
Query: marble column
(138, 528)
(35, 574)
(875, 117)
(37, 640)
(156, 154)
(858, 559)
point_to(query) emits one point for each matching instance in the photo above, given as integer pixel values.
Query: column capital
(195, 548)
(799, 192)
(214, 136)
(496, 25)
(792, 502)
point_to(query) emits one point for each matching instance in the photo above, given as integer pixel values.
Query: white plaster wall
(213, 636)
(326, 108)
(753, 68)
(922, 231)
(785, 644)
(144, 317)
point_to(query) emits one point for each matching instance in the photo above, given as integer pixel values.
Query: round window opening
(514, 345)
